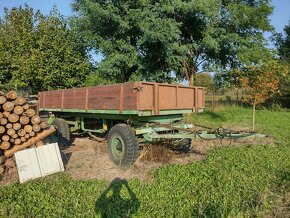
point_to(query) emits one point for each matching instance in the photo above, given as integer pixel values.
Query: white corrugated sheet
(38, 162)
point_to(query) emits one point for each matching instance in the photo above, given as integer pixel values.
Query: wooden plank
(141, 96)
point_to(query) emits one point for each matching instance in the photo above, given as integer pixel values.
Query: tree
(282, 42)
(155, 38)
(40, 52)
(205, 80)
(259, 83)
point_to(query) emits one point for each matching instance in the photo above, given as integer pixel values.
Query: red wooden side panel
(127, 96)
(185, 97)
(156, 96)
(200, 98)
(146, 97)
(109, 97)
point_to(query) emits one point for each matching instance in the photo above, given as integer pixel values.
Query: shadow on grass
(215, 116)
(118, 200)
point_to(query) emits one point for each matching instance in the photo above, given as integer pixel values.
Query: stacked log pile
(20, 127)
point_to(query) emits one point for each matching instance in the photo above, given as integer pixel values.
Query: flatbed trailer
(127, 113)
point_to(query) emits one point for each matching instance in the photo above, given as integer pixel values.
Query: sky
(279, 18)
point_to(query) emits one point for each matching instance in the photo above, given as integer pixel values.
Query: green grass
(231, 182)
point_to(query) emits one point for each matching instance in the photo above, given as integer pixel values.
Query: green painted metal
(51, 119)
(82, 122)
(89, 111)
(117, 146)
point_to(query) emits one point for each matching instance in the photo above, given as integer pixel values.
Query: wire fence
(222, 98)
(230, 98)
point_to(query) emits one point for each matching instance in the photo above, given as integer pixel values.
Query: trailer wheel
(122, 145)
(186, 145)
(62, 133)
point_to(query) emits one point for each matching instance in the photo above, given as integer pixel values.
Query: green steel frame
(164, 126)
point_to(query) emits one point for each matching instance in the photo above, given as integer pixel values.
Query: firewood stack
(20, 126)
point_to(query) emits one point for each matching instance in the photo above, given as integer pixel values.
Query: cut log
(11, 132)
(11, 95)
(1, 115)
(21, 132)
(5, 138)
(23, 139)
(2, 129)
(5, 145)
(15, 136)
(35, 119)
(16, 126)
(2, 159)
(44, 125)
(40, 136)
(17, 141)
(30, 112)
(27, 136)
(13, 118)
(2, 100)
(28, 128)
(25, 106)
(8, 106)
(24, 120)
(39, 143)
(6, 114)
(18, 110)
(10, 163)
(9, 126)
(36, 128)
(2, 169)
(32, 133)
(3, 121)
(20, 101)
(12, 140)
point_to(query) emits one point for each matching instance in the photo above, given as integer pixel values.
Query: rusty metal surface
(140, 96)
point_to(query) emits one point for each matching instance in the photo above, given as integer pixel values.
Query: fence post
(212, 100)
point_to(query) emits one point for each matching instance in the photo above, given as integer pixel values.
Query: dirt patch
(88, 159)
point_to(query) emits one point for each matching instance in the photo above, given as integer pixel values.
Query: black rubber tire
(130, 149)
(63, 132)
(185, 145)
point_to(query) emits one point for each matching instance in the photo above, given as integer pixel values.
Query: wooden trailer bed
(138, 98)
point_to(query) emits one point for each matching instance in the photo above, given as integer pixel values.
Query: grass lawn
(231, 182)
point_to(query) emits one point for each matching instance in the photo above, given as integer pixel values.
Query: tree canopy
(40, 52)
(152, 39)
(283, 44)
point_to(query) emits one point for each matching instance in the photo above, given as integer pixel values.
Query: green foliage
(154, 38)
(259, 83)
(242, 181)
(95, 79)
(40, 52)
(282, 42)
(204, 80)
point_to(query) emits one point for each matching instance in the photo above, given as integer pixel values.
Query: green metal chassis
(141, 122)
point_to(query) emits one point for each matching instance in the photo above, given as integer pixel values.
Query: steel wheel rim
(117, 147)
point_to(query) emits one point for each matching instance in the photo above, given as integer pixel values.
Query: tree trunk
(192, 75)
(254, 117)
(191, 79)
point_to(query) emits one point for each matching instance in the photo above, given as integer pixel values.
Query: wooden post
(254, 116)
(212, 101)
